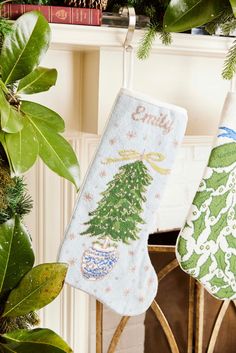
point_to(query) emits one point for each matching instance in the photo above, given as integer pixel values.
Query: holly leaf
(191, 262)
(201, 197)
(16, 254)
(11, 119)
(222, 156)
(233, 5)
(204, 269)
(182, 246)
(182, 15)
(231, 240)
(218, 282)
(220, 259)
(39, 287)
(37, 341)
(22, 148)
(199, 225)
(218, 227)
(216, 180)
(24, 46)
(218, 203)
(232, 264)
(225, 293)
(39, 80)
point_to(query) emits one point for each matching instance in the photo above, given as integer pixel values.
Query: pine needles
(229, 68)
(8, 324)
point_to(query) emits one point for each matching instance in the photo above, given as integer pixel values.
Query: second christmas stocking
(206, 246)
(106, 240)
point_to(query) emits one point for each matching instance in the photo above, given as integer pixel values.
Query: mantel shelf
(72, 37)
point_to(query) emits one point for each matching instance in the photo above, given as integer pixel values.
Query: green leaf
(182, 15)
(218, 282)
(231, 240)
(43, 114)
(22, 148)
(11, 119)
(36, 341)
(24, 46)
(232, 262)
(199, 225)
(233, 5)
(218, 203)
(191, 262)
(223, 156)
(55, 151)
(182, 246)
(39, 80)
(218, 227)
(217, 179)
(201, 197)
(16, 254)
(204, 269)
(225, 293)
(39, 287)
(220, 259)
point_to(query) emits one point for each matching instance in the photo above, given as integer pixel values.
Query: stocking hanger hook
(129, 11)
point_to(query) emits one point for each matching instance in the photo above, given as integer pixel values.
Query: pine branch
(226, 16)
(229, 68)
(9, 324)
(146, 42)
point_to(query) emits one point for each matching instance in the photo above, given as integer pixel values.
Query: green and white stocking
(206, 246)
(106, 241)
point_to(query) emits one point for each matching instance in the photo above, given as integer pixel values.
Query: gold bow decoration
(151, 158)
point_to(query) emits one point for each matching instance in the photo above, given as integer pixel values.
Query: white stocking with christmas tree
(106, 240)
(206, 246)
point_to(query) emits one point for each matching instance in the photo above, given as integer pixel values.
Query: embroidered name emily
(160, 121)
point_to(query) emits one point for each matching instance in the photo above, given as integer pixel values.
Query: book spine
(56, 14)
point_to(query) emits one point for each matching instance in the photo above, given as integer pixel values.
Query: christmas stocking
(106, 240)
(206, 246)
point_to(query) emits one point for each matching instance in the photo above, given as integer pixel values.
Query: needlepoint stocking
(106, 241)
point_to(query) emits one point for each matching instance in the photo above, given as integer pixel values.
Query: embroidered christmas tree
(118, 213)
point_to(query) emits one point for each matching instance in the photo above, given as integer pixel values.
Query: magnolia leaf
(218, 282)
(37, 341)
(43, 114)
(191, 262)
(11, 119)
(218, 203)
(39, 80)
(39, 287)
(204, 269)
(232, 262)
(225, 293)
(16, 254)
(223, 156)
(24, 46)
(56, 152)
(182, 246)
(22, 148)
(182, 15)
(201, 197)
(217, 179)
(218, 227)
(199, 225)
(233, 5)
(231, 240)
(220, 259)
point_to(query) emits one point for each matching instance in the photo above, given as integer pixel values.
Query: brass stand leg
(99, 327)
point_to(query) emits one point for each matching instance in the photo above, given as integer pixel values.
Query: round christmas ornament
(106, 241)
(206, 246)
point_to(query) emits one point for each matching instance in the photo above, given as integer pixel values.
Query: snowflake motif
(102, 174)
(146, 268)
(126, 292)
(141, 299)
(131, 134)
(150, 281)
(108, 289)
(84, 245)
(72, 261)
(72, 236)
(175, 143)
(144, 137)
(88, 197)
(132, 269)
(112, 141)
(131, 253)
(157, 196)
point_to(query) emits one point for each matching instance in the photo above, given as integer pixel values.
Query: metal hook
(130, 11)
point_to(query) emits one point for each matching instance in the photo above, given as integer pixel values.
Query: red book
(56, 14)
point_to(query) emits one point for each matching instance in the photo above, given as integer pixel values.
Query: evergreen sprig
(229, 68)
